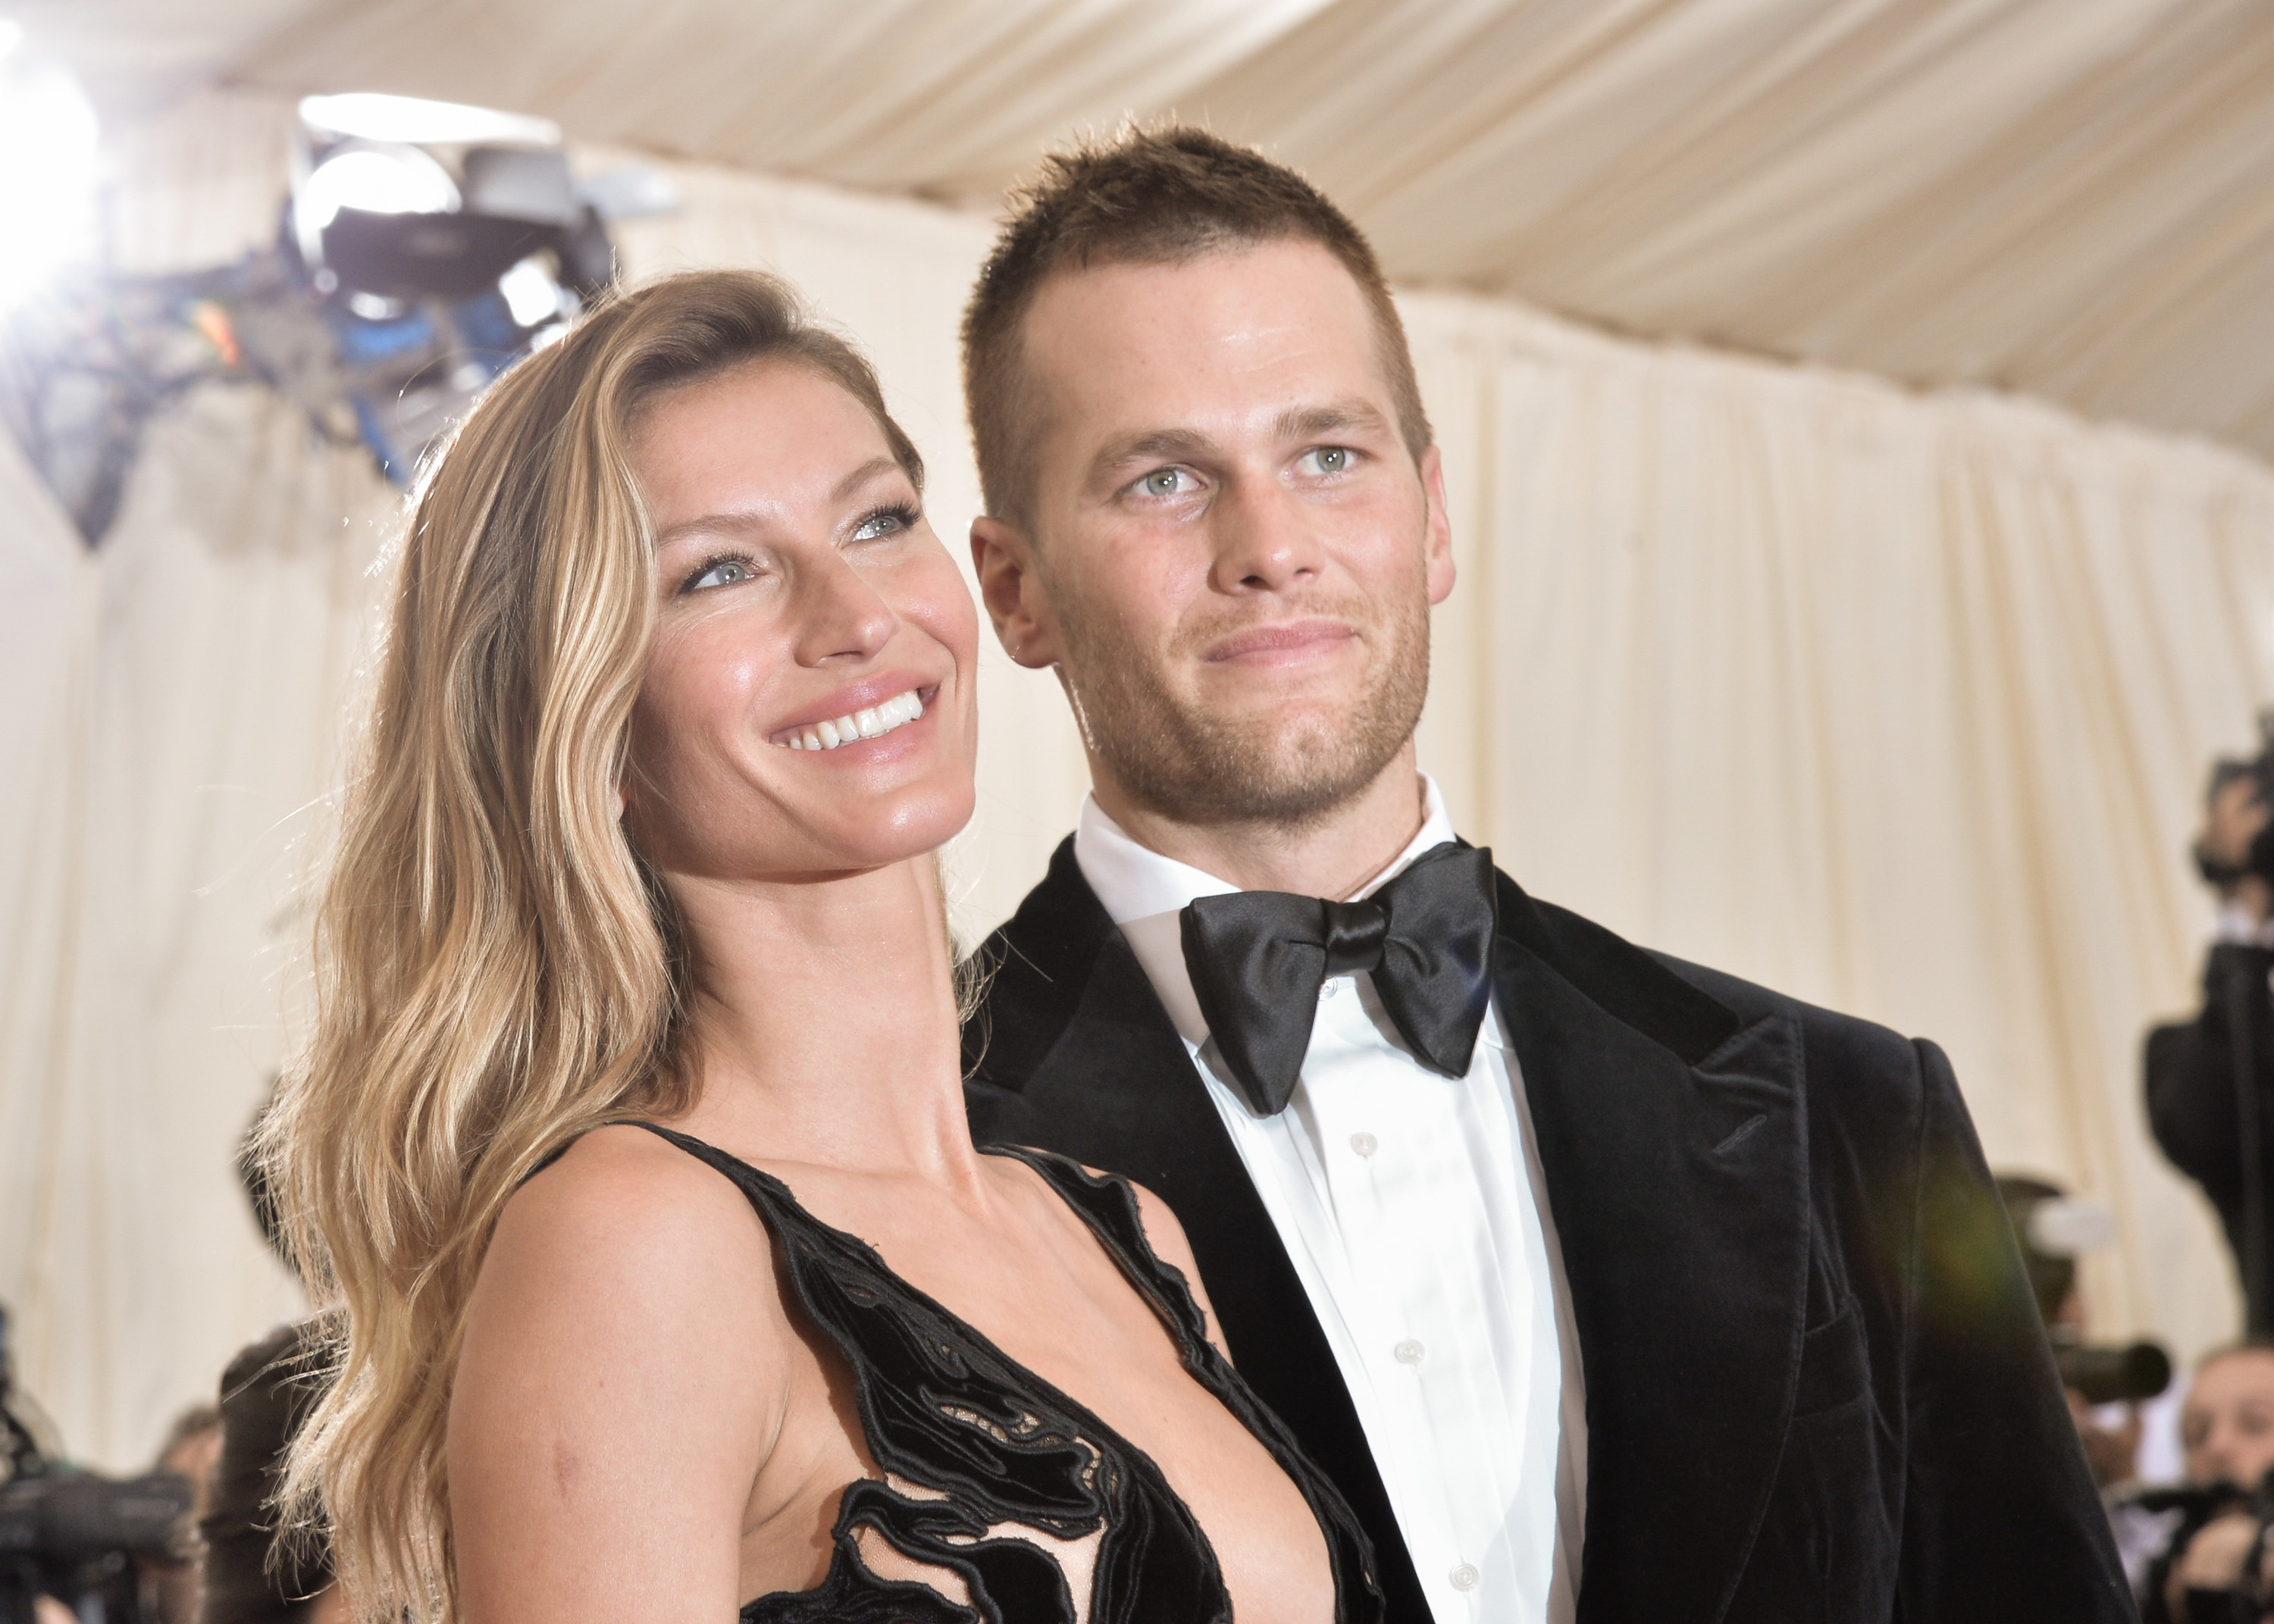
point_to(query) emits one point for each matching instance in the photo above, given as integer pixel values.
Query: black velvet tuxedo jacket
(1817, 1386)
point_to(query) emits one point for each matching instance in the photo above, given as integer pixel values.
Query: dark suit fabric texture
(2192, 1103)
(1817, 1385)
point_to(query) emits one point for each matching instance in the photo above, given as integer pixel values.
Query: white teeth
(871, 722)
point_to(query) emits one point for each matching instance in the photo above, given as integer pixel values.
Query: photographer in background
(2214, 1566)
(2052, 1229)
(2210, 1080)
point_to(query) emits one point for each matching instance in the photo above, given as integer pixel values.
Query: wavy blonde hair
(497, 970)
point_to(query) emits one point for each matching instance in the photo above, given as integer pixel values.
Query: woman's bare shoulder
(620, 1200)
(623, 1379)
(628, 1247)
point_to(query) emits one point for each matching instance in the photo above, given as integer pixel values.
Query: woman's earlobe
(618, 795)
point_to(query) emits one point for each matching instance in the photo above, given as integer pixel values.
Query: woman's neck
(824, 1020)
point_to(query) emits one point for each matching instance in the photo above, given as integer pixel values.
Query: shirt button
(1409, 1352)
(1365, 1143)
(1465, 1577)
(1330, 987)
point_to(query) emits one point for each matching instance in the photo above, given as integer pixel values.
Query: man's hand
(2213, 1559)
(2237, 814)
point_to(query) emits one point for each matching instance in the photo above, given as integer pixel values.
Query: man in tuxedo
(1607, 1286)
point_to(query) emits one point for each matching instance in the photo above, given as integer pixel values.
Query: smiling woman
(636, 1008)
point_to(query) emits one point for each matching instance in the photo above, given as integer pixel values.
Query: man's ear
(1004, 560)
(1440, 539)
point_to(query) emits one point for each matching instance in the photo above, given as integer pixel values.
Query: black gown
(985, 1443)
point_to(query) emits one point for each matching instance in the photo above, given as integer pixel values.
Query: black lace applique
(978, 1450)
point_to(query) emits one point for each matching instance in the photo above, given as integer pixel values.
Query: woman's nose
(845, 617)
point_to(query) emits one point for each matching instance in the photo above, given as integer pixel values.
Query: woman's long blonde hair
(497, 971)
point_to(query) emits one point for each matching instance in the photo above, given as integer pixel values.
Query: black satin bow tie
(1258, 959)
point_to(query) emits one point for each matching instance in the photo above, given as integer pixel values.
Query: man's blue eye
(1331, 459)
(1163, 482)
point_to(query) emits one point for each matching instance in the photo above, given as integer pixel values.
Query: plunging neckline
(944, 1409)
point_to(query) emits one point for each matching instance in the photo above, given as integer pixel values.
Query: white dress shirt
(1413, 1208)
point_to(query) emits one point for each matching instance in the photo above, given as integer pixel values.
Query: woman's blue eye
(722, 572)
(884, 523)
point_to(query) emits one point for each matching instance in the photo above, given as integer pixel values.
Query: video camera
(75, 1536)
(2053, 1230)
(2226, 771)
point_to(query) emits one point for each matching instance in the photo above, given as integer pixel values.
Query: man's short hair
(1161, 196)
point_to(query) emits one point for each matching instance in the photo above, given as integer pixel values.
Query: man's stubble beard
(1176, 759)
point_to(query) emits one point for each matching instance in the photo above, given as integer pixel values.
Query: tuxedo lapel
(1072, 1051)
(1673, 1145)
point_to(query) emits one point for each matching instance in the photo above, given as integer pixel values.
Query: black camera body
(75, 1536)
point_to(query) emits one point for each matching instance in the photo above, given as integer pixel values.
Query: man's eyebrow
(1304, 422)
(1151, 445)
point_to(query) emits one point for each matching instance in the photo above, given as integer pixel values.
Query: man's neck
(1332, 855)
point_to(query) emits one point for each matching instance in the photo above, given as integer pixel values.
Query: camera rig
(74, 1534)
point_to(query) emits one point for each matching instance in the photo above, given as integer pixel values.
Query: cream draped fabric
(2073, 198)
(174, 707)
(1898, 702)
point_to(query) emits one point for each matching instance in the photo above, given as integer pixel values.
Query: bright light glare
(12, 35)
(384, 180)
(47, 142)
(406, 119)
(530, 293)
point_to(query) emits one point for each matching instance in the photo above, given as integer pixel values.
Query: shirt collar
(1143, 892)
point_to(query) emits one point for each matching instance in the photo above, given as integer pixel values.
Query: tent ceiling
(2073, 197)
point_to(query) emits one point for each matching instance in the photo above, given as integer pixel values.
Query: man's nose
(1267, 539)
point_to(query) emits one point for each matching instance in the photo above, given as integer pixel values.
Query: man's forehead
(1118, 337)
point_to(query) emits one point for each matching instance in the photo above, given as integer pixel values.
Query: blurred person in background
(251, 1577)
(191, 1450)
(2214, 1566)
(2052, 1228)
(2210, 1080)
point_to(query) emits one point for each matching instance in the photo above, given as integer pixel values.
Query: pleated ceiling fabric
(2069, 198)
(1898, 701)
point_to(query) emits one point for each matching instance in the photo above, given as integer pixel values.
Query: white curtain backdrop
(1899, 702)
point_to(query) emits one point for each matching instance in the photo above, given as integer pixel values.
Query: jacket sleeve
(2190, 1077)
(2000, 1519)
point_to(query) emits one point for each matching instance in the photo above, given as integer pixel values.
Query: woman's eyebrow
(870, 470)
(742, 520)
(712, 524)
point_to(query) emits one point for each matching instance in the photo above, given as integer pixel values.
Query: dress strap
(1107, 1202)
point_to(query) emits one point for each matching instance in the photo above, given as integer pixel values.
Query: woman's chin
(912, 827)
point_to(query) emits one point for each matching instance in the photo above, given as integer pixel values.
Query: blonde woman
(631, 1139)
